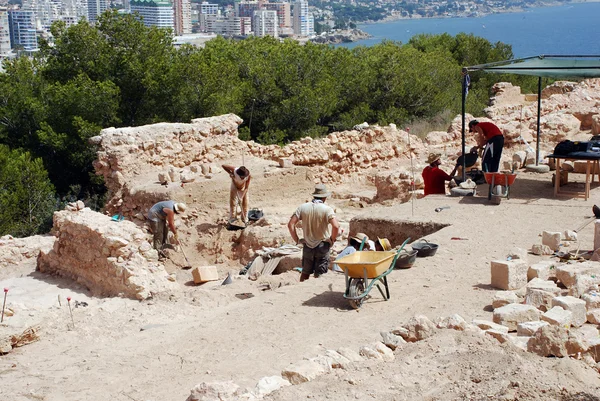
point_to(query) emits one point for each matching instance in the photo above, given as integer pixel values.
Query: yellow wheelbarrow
(364, 269)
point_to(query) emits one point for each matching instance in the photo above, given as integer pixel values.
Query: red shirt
(435, 180)
(490, 130)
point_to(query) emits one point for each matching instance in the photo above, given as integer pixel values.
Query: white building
(265, 23)
(157, 13)
(230, 26)
(303, 22)
(96, 8)
(22, 30)
(182, 11)
(4, 34)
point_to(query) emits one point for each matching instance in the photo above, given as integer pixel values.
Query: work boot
(596, 211)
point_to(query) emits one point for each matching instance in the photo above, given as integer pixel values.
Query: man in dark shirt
(494, 143)
(434, 177)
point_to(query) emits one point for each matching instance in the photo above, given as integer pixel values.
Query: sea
(571, 29)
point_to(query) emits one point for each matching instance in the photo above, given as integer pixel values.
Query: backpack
(565, 147)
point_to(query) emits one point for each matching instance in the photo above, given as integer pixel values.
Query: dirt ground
(120, 349)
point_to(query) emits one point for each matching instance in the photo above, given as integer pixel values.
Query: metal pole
(464, 107)
(537, 148)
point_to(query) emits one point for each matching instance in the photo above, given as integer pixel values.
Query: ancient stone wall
(110, 258)
(17, 250)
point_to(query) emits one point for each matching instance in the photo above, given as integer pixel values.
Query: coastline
(512, 10)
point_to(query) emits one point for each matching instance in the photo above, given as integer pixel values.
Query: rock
(528, 329)
(517, 253)
(592, 300)
(551, 239)
(555, 341)
(267, 385)
(502, 298)
(418, 328)
(214, 391)
(338, 361)
(575, 305)
(391, 340)
(285, 162)
(540, 249)
(498, 335)
(202, 274)
(302, 372)
(557, 316)
(487, 325)
(570, 235)
(544, 270)
(568, 273)
(513, 314)
(454, 322)
(351, 355)
(508, 275)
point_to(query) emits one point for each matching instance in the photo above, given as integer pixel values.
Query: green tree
(27, 198)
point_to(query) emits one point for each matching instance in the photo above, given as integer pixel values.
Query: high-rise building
(284, 16)
(303, 21)
(264, 23)
(182, 11)
(207, 8)
(4, 33)
(96, 8)
(220, 25)
(22, 30)
(157, 13)
(247, 8)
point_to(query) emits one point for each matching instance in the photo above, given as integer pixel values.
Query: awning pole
(464, 107)
(537, 148)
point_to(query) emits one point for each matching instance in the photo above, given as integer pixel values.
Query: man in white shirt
(318, 238)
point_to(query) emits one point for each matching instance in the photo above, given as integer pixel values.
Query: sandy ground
(121, 349)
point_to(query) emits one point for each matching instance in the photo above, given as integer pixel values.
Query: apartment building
(4, 33)
(96, 8)
(157, 13)
(303, 22)
(182, 12)
(23, 35)
(265, 23)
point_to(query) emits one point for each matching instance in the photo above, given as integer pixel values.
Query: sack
(565, 147)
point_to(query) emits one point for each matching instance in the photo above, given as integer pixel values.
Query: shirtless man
(240, 182)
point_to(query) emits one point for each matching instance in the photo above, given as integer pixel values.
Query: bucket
(406, 259)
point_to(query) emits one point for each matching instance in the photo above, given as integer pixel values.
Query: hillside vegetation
(121, 73)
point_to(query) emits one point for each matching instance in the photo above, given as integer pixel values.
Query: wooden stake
(70, 311)
(4, 304)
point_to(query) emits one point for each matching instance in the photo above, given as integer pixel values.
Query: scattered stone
(570, 235)
(529, 328)
(163, 177)
(517, 253)
(454, 322)
(267, 385)
(369, 352)
(221, 391)
(557, 316)
(498, 335)
(338, 361)
(575, 305)
(508, 274)
(540, 249)
(593, 316)
(592, 300)
(502, 298)
(203, 274)
(555, 341)
(544, 270)
(519, 342)
(419, 327)
(350, 354)
(487, 325)
(551, 239)
(391, 340)
(513, 314)
(302, 372)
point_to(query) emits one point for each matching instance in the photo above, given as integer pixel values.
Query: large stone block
(567, 273)
(575, 305)
(487, 325)
(544, 270)
(302, 372)
(502, 298)
(555, 341)
(557, 316)
(551, 239)
(508, 274)
(528, 329)
(513, 314)
(592, 300)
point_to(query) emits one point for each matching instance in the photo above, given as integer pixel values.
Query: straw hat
(385, 243)
(359, 237)
(433, 157)
(180, 207)
(321, 191)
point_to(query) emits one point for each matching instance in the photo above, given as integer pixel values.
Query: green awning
(546, 66)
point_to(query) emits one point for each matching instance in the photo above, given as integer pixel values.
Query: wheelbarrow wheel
(356, 288)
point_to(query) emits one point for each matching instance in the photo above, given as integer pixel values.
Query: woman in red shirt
(493, 147)
(434, 177)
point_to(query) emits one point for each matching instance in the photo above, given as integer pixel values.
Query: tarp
(546, 66)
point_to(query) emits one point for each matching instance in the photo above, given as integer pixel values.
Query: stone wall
(110, 258)
(17, 250)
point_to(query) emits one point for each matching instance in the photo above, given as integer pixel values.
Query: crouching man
(318, 238)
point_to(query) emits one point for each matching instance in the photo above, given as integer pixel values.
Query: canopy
(552, 66)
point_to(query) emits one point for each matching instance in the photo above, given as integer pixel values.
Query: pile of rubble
(110, 257)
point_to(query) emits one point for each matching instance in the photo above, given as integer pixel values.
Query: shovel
(189, 265)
